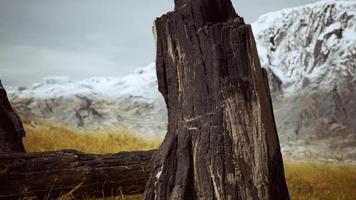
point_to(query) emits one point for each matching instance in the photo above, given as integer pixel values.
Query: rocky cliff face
(309, 53)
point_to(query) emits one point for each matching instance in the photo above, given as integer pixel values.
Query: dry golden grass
(47, 136)
(316, 181)
(306, 181)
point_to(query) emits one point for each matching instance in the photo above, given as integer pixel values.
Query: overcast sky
(85, 38)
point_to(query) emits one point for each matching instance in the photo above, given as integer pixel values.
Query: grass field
(306, 181)
(47, 136)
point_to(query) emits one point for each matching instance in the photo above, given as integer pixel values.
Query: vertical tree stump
(11, 129)
(222, 141)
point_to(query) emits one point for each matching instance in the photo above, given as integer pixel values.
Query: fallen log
(52, 174)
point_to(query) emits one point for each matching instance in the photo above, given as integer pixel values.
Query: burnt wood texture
(52, 174)
(11, 129)
(222, 141)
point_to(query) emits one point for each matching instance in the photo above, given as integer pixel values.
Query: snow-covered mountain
(309, 52)
(132, 102)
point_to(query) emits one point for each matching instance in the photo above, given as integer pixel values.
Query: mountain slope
(309, 52)
(132, 102)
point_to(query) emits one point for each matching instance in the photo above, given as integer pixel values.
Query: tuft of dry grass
(132, 197)
(306, 181)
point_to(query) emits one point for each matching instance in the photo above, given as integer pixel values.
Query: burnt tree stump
(222, 141)
(11, 129)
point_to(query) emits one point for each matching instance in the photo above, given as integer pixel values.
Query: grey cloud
(85, 38)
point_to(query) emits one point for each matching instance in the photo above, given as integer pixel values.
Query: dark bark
(222, 141)
(54, 173)
(11, 129)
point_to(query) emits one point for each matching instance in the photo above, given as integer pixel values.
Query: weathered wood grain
(54, 173)
(222, 141)
(11, 129)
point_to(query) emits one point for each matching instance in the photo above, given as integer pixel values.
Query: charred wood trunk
(222, 141)
(52, 174)
(11, 129)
